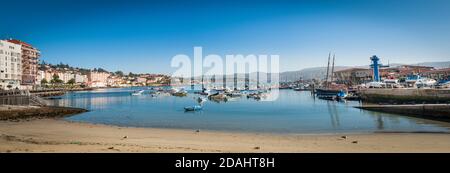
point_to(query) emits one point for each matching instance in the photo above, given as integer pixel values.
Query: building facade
(10, 65)
(30, 59)
(404, 70)
(353, 76)
(98, 79)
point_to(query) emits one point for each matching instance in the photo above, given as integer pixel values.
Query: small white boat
(137, 93)
(193, 108)
(425, 82)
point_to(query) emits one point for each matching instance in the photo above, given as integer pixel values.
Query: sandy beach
(56, 135)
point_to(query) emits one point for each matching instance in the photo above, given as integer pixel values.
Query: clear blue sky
(143, 36)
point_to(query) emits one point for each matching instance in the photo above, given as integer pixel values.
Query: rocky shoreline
(8, 112)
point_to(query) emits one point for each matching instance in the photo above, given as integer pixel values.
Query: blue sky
(143, 36)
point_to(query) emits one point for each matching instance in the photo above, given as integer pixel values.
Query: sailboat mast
(328, 70)
(203, 84)
(332, 69)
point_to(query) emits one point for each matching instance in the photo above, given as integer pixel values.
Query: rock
(256, 148)
(111, 148)
(355, 142)
(197, 130)
(125, 137)
(344, 137)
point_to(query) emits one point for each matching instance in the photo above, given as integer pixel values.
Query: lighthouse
(376, 68)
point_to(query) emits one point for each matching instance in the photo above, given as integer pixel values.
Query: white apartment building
(79, 78)
(98, 79)
(10, 65)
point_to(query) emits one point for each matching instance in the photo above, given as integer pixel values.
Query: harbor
(223, 76)
(293, 112)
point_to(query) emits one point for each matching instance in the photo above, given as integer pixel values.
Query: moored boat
(193, 108)
(136, 93)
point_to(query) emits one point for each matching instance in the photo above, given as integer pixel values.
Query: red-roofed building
(404, 70)
(353, 76)
(30, 59)
(439, 74)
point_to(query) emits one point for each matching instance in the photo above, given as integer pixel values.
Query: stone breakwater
(440, 112)
(405, 95)
(27, 112)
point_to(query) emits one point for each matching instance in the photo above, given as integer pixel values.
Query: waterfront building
(98, 79)
(40, 76)
(114, 81)
(353, 76)
(154, 79)
(141, 80)
(30, 58)
(10, 65)
(80, 78)
(65, 76)
(404, 70)
(439, 74)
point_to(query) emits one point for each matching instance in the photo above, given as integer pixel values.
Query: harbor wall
(428, 111)
(405, 95)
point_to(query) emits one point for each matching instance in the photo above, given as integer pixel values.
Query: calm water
(293, 112)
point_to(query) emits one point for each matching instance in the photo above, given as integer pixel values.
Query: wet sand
(56, 135)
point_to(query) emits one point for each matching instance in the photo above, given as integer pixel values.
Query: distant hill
(437, 65)
(308, 73)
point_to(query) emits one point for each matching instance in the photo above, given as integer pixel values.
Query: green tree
(56, 80)
(71, 81)
(44, 82)
(118, 73)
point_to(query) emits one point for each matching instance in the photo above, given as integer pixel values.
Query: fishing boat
(235, 94)
(330, 92)
(205, 92)
(137, 93)
(218, 97)
(200, 100)
(443, 84)
(180, 94)
(419, 81)
(300, 89)
(425, 82)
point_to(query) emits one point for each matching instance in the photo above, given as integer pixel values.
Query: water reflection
(334, 117)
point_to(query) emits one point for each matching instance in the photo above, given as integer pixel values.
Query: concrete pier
(405, 95)
(439, 112)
